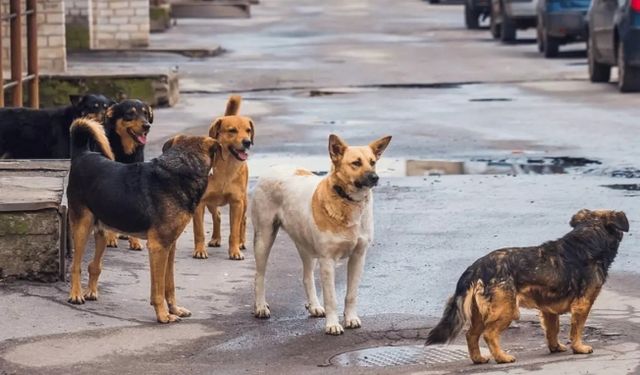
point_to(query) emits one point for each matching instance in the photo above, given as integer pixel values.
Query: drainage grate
(401, 356)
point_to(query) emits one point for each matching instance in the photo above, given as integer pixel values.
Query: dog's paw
(179, 311)
(316, 311)
(214, 242)
(200, 254)
(480, 360)
(91, 295)
(558, 349)
(262, 311)
(352, 322)
(505, 358)
(135, 244)
(236, 255)
(333, 329)
(582, 349)
(112, 241)
(168, 318)
(76, 299)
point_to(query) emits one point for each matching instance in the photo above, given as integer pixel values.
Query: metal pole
(1, 75)
(32, 54)
(16, 51)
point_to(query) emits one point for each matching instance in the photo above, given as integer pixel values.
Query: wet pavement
(493, 146)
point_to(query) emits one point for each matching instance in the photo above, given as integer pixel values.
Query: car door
(603, 28)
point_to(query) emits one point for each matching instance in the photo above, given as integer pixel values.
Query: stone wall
(119, 24)
(77, 24)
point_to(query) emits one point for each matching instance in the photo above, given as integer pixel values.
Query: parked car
(508, 16)
(614, 39)
(561, 22)
(474, 10)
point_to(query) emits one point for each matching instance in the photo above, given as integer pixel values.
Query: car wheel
(597, 72)
(508, 29)
(629, 77)
(471, 16)
(494, 25)
(551, 46)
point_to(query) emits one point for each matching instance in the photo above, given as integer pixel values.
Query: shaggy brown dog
(556, 277)
(228, 183)
(153, 200)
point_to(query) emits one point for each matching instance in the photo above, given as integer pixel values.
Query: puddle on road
(400, 167)
(632, 190)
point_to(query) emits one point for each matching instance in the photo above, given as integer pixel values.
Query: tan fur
(227, 184)
(98, 131)
(303, 172)
(335, 215)
(124, 130)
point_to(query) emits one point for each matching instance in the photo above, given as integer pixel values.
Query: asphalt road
(364, 69)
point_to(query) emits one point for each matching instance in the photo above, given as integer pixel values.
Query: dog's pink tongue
(243, 155)
(142, 139)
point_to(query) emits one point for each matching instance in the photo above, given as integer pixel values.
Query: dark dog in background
(127, 124)
(27, 133)
(154, 200)
(556, 277)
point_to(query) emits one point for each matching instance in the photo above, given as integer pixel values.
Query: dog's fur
(127, 124)
(327, 218)
(228, 183)
(27, 133)
(556, 277)
(153, 200)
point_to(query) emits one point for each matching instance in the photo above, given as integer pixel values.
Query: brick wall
(52, 56)
(77, 24)
(119, 23)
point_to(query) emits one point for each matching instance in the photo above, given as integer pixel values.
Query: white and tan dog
(327, 218)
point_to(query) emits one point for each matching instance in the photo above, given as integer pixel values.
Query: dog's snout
(146, 126)
(373, 177)
(246, 143)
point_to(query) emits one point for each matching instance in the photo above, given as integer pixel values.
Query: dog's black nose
(146, 127)
(373, 178)
(246, 143)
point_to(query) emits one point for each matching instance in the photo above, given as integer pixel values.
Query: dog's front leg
(237, 214)
(579, 313)
(327, 273)
(170, 288)
(158, 257)
(198, 233)
(355, 267)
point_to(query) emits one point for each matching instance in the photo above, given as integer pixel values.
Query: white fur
(282, 198)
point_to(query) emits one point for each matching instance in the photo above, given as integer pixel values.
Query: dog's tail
(233, 105)
(457, 310)
(88, 135)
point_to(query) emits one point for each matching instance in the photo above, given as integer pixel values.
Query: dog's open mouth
(140, 138)
(240, 154)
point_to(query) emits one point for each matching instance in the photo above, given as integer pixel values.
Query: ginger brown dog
(556, 277)
(228, 182)
(153, 200)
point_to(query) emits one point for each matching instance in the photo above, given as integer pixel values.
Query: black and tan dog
(27, 133)
(153, 200)
(228, 183)
(556, 277)
(127, 125)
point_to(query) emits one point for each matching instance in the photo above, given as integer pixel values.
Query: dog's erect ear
(618, 220)
(76, 99)
(214, 129)
(108, 115)
(149, 113)
(253, 130)
(168, 144)
(337, 147)
(579, 217)
(380, 145)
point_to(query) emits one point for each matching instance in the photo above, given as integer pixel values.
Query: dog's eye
(249, 130)
(97, 105)
(357, 163)
(233, 130)
(372, 162)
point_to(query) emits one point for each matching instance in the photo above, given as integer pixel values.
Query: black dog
(27, 133)
(127, 125)
(154, 200)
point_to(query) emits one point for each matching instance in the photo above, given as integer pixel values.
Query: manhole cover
(401, 356)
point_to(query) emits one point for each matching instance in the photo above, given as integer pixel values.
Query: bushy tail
(88, 135)
(456, 312)
(233, 105)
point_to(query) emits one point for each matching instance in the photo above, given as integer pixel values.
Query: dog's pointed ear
(214, 129)
(579, 217)
(337, 147)
(168, 144)
(380, 145)
(618, 220)
(253, 130)
(108, 115)
(149, 113)
(76, 99)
